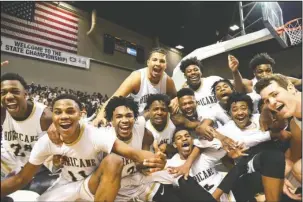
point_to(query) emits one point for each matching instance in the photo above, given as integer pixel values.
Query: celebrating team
(213, 140)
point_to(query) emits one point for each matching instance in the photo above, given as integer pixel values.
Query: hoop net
(294, 31)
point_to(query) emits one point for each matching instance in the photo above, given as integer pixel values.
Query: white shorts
(63, 190)
(136, 187)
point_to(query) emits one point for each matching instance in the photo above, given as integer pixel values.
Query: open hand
(238, 152)
(182, 170)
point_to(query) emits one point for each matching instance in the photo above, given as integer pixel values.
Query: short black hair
(157, 97)
(14, 76)
(259, 59)
(185, 91)
(157, 50)
(213, 87)
(190, 61)
(179, 128)
(238, 97)
(67, 96)
(115, 102)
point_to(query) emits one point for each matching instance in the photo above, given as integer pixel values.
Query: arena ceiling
(191, 24)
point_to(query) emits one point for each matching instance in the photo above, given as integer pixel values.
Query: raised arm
(19, 180)
(130, 85)
(241, 85)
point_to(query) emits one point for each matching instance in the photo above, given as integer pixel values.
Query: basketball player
(83, 174)
(263, 156)
(188, 107)
(222, 89)
(192, 69)
(128, 127)
(281, 97)
(203, 169)
(162, 124)
(262, 65)
(143, 82)
(23, 123)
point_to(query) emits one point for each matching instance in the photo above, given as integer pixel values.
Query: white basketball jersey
(204, 95)
(133, 183)
(83, 156)
(164, 136)
(147, 88)
(250, 136)
(136, 143)
(202, 170)
(19, 137)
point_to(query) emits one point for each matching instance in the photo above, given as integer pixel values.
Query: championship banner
(42, 52)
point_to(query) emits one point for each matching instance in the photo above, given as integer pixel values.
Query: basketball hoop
(293, 29)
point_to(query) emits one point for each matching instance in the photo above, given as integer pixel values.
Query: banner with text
(44, 53)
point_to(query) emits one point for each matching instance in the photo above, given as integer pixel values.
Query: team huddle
(213, 140)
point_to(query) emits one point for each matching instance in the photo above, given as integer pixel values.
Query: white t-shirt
(217, 113)
(147, 88)
(251, 136)
(204, 95)
(83, 156)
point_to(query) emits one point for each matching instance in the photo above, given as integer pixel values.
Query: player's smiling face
(280, 100)
(188, 106)
(123, 121)
(156, 65)
(184, 143)
(13, 97)
(193, 75)
(158, 113)
(223, 91)
(66, 116)
(240, 114)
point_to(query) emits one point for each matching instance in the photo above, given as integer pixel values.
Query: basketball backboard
(273, 19)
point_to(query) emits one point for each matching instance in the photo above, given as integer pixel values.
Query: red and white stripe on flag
(52, 27)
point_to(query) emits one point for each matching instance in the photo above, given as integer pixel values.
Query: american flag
(41, 23)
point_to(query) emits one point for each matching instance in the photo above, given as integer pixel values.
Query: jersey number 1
(81, 173)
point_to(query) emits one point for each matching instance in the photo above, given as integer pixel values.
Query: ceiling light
(179, 47)
(234, 27)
